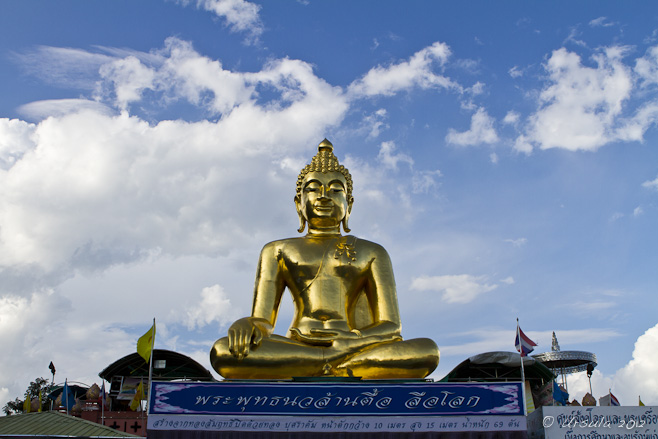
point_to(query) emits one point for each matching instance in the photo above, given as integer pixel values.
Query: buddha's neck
(322, 232)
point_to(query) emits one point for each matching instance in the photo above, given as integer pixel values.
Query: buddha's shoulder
(300, 242)
(282, 244)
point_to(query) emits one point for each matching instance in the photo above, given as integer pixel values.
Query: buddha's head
(324, 192)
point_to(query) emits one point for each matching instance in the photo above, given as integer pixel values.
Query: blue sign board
(336, 398)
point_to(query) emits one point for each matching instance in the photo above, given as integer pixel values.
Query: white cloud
(15, 140)
(638, 211)
(42, 328)
(375, 123)
(416, 72)
(640, 375)
(515, 72)
(40, 110)
(425, 181)
(240, 15)
(581, 108)
(481, 131)
(637, 378)
(129, 78)
(511, 118)
(87, 189)
(214, 305)
(653, 184)
(601, 22)
(390, 159)
(508, 280)
(63, 66)
(462, 288)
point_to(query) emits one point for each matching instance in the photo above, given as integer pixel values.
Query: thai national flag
(613, 400)
(523, 344)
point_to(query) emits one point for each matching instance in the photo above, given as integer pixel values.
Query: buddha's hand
(358, 340)
(245, 333)
(340, 339)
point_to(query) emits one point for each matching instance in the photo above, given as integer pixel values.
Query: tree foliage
(38, 385)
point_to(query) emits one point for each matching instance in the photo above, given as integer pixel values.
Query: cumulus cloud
(214, 305)
(240, 15)
(88, 188)
(42, 328)
(415, 72)
(640, 375)
(481, 131)
(129, 78)
(15, 140)
(92, 185)
(582, 108)
(462, 288)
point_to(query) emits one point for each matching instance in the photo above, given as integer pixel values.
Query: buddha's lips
(323, 207)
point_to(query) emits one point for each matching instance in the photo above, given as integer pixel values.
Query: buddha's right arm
(269, 285)
(268, 289)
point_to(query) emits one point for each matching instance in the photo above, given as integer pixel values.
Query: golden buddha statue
(346, 321)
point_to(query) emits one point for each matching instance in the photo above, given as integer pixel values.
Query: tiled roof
(54, 424)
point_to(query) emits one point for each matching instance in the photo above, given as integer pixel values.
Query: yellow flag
(40, 401)
(27, 405)
(137, 399)
(641, 403)
(145, 343)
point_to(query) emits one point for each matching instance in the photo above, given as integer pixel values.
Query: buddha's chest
(331, 265)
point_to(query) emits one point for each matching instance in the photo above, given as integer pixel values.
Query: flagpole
(142, 395)
(66, 391)
(148, 393)
(518, 335)
(103, 403)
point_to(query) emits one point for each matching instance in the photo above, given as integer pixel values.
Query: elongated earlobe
(302, 220)
(347, 216)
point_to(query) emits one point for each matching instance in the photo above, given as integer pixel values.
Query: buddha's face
(323, 200)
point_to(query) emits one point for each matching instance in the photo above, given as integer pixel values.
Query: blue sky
(503, 152)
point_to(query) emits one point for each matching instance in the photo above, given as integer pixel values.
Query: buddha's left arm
(382, 295)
